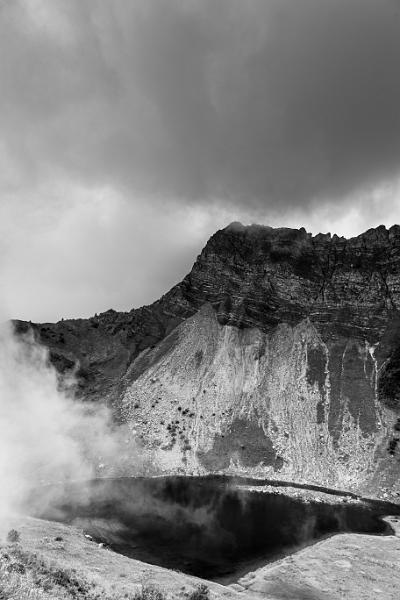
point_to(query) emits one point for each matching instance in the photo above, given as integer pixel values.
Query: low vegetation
(200, 593)
(25, 575)
(150, 592)
(13, 536)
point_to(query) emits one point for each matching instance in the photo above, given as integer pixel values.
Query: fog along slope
(279, 354)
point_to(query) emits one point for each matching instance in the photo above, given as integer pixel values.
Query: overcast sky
(131, 130)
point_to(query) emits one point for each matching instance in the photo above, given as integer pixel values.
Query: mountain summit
(278, 354)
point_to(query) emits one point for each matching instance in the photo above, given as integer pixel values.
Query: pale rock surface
(282, 350)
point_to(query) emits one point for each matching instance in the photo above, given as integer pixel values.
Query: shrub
(46, 576)
(16, 567)
(200, 593)
(149, 592)
(198, 357)
(13, 536)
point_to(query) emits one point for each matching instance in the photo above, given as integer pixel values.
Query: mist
(46, 435)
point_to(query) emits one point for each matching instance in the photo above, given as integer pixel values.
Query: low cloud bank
(46, 436)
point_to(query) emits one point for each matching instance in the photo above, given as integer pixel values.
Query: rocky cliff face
(279, 354)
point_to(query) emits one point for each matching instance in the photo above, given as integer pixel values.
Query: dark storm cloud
(131, 130)
(261, 102)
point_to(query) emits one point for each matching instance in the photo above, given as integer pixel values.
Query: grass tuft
(149, 592)
(200, 593)
(26, 576)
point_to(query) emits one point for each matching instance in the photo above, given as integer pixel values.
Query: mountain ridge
(327, 305)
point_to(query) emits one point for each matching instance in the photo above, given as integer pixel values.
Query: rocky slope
(278, 354)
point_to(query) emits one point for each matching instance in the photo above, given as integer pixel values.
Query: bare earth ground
(346, 566)
(350, 566)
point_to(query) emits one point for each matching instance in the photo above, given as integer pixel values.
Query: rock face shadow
(211, 527)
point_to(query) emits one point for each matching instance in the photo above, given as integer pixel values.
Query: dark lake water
(212, 527)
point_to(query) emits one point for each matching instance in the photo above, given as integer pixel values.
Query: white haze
(45, 434)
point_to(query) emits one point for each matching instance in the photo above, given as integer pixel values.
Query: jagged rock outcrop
(279, 353)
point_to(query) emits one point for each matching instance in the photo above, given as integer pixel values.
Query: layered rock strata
(278, 354)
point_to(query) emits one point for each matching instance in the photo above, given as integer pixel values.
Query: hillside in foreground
(52, 561)
(57, 562)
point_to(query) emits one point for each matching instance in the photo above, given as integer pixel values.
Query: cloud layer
(258, 102)
(187, 111)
